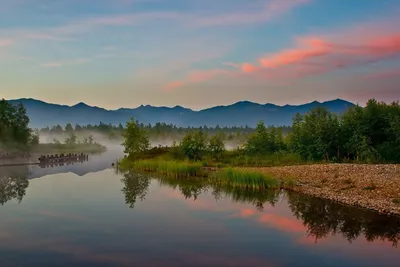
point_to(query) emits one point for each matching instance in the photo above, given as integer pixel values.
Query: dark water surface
(88, 215)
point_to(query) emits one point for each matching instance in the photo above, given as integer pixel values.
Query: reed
(170, 168)
(246, 179)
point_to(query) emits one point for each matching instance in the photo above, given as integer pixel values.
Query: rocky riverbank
(375, 187)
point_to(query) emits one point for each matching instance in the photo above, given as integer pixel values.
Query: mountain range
(242, 113)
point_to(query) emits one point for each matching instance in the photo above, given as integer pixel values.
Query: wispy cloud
(313, 55)
(57, 64)
(6, 42)
(196, 77)
(41, 36)
(326, 54)
(268, 10)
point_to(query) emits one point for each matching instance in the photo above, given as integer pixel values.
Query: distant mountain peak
(241, 113)
(81, 104)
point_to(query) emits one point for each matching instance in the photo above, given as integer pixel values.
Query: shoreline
(370, 186)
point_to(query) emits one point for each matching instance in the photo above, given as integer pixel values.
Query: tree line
(369, 134)
(160, 131)
(362, 134)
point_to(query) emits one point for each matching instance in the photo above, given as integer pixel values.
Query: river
(88, 214)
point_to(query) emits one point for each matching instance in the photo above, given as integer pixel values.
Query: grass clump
(167, 168)
(396, 201)
(290, 183)
(246, 179)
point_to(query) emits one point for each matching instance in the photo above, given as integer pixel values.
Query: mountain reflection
(322, 218)
(13, 183)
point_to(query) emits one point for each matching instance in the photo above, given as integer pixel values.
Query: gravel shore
(375, 187)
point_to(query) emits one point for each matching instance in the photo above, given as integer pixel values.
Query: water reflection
(14, 180)
(60, 164)
(322, 218)
(13, 183)
(135, 186)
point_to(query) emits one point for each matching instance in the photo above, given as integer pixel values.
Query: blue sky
(198, 53)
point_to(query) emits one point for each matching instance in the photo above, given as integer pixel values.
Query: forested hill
(242, 113)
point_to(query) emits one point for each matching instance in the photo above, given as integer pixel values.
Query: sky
(199, 53)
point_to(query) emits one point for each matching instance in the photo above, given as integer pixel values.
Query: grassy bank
(230, 177)
(246, 179)
(168, 168)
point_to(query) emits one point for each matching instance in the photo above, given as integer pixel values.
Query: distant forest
(159, 131)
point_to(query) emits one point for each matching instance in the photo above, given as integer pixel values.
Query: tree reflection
(324, 218)
(254, 197)
(13, 183)
(321, 217)
(135, 186)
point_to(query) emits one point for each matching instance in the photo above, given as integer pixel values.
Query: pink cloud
(247, 67)
(174, 85)
(6, 42)
(196, 77)
(313, 48)
(200, 76)
(317, 55)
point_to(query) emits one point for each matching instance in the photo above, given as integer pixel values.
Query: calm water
(88, 215)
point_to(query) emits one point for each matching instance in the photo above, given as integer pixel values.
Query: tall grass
(168, 168)
(246, 179)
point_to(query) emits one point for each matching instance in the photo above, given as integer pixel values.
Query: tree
(194, 145)
(14, 123)
(315, 135)
(34, 139)
(69, 128)
(90, 139)
(71, 140)
(216, 146)
(264, 140)
(136, 140)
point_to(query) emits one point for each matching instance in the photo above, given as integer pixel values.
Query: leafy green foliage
(136, 140)
(14, 124)
(216, 146)
(370, 134)
(71, 140)
(265, 141)
(194, 145)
